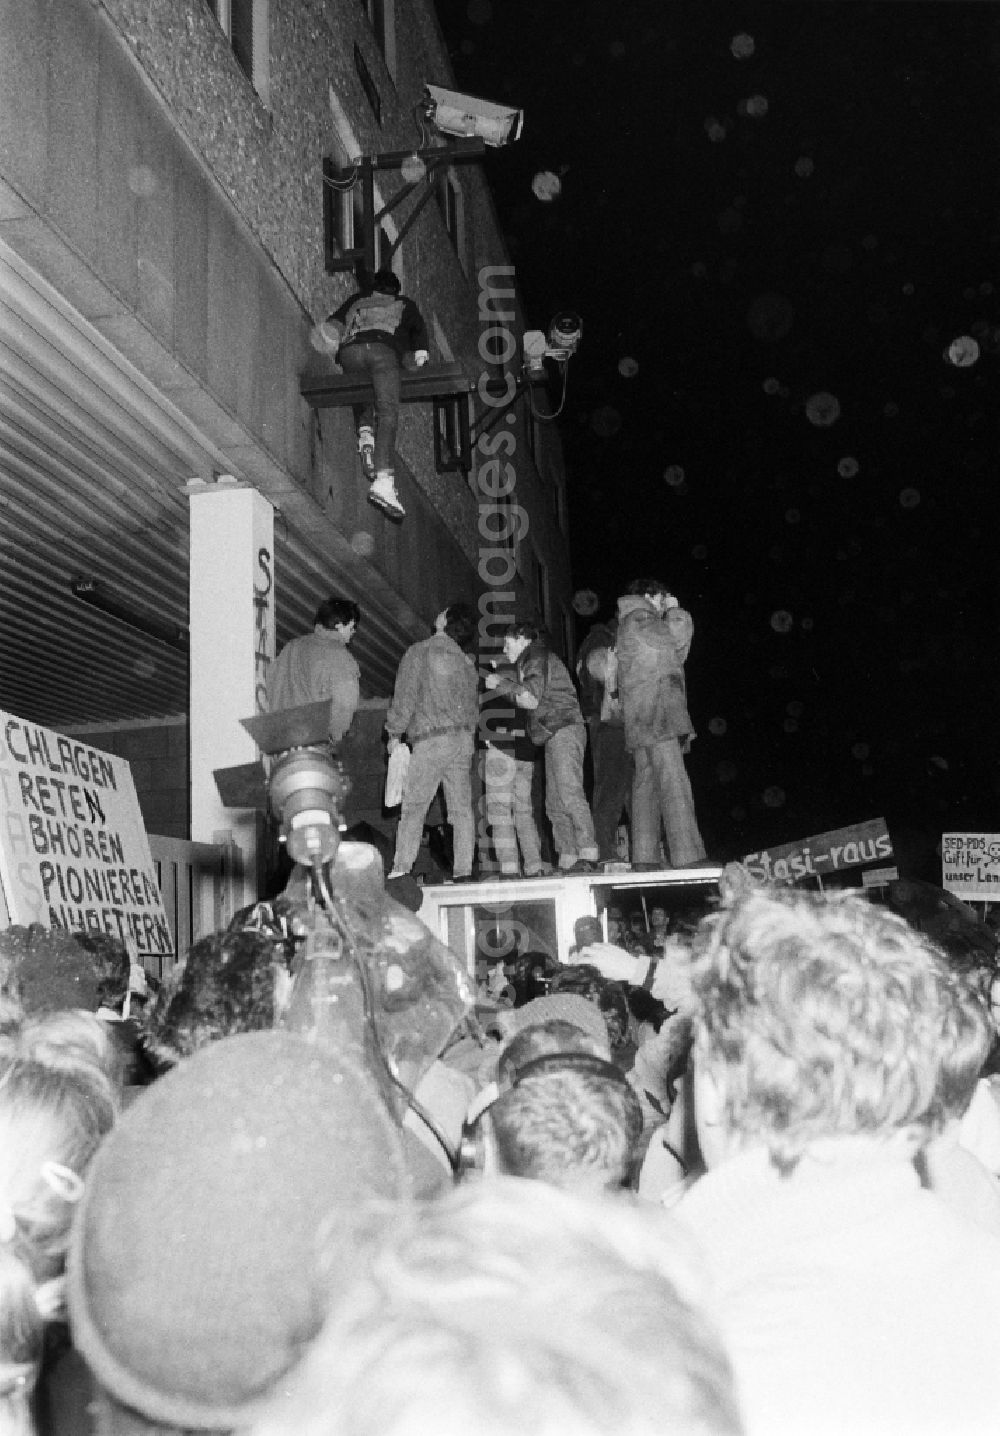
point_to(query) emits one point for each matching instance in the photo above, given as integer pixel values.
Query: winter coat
(541, 675)
(435, 691)
(651, 654)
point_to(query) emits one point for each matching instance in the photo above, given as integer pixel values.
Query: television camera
(366, 977)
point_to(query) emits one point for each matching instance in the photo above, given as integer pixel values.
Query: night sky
(757, 204)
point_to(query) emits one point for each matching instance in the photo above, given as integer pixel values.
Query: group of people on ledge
(630, 702)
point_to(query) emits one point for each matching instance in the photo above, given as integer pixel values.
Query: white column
(232, 644)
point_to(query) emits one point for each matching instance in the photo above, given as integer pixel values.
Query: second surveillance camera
(468, 117)
(565, 333)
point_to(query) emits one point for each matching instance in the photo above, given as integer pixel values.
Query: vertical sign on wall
(232, 646)
(73, 849)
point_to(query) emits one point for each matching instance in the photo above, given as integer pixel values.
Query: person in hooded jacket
(654, 638)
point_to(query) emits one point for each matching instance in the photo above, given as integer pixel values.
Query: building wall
(133, 130)
(181, 215)
(157, 755)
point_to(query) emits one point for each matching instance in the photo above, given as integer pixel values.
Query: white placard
(73, 848)
(970, 865)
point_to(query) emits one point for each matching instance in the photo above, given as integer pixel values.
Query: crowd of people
(781, 1215)
(521, 709)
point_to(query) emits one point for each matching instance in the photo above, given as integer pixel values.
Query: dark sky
(728, 265)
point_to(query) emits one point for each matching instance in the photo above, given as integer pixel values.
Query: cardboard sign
(970, 865)
(73, 849)
(824, 855)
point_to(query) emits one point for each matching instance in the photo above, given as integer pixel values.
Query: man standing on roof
(654, 637)
(318, 665)
(378, 327)
(435, 703)
(542, 686)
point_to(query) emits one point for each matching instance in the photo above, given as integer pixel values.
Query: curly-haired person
(853, 1298)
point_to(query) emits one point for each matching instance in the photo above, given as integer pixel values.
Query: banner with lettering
(970, 865)
(822, 856)
(73, 848)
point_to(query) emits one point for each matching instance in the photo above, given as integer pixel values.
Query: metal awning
(94, 460)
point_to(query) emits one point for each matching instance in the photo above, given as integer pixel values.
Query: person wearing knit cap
(563, 1007)
(191, 1263)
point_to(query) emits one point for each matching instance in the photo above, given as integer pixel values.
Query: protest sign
(73, 849)
(822, 856)
(970, 865)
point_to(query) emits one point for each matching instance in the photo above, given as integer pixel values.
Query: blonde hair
(825, 1015)
(510, 1309)
(58, 1098)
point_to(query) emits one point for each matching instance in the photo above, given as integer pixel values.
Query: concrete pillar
(232, 644)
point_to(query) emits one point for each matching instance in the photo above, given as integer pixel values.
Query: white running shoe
(383, 495)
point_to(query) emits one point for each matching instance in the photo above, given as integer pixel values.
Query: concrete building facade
(164, 264)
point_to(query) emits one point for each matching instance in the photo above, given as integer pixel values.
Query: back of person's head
(582, 978)
(647, 587)
(113, 963)
(821, 1016)
(333, 612)
(542, 1039)
(511, 1309)
(192, 1257)
(383, 281)
(460, 625)
(587, 930)
(570, 1119)
(966, 1038)
(55, 1109)
(225, 985)
(78, 1043)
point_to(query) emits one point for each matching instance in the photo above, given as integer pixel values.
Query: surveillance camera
(565, 333)
(467, 117)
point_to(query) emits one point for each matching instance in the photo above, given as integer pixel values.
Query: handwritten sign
(970, 865)
(73, 849)
(823, 855)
